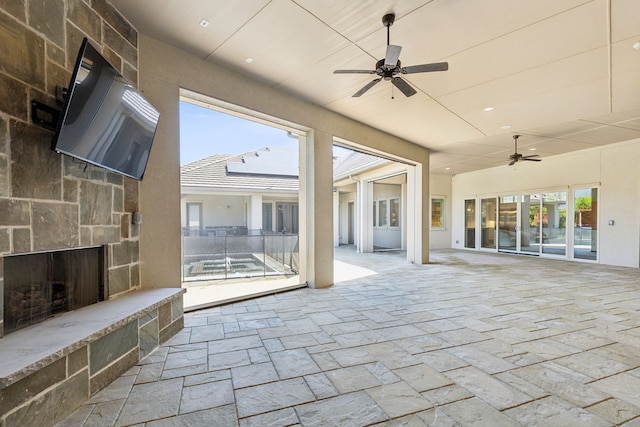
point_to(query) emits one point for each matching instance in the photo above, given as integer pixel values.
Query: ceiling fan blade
(403, 86)
(528, 158)
(512, 162)
(391, 58)
(425, 68)
(368, 86)
(354, 72)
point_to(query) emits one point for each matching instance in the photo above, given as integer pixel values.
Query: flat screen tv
(105, 120)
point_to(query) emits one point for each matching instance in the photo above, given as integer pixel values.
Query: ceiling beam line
(610, 54)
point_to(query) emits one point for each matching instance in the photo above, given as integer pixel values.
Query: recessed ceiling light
(505, 127)
(636, 45)
(248, 60)
(487, 109)
(204, 23)
(447, 169)
(532, 149)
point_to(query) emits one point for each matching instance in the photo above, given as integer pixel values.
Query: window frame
(384, 216)
(443, 224)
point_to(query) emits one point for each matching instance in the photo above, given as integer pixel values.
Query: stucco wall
(218, 210)
(441, 188)
(612, 168)
(164, 70)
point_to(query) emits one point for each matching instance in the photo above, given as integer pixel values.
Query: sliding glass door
(488, 223)
(554, 223)
(508, 223)
(535, 223)
(530, 224)
(585, 220)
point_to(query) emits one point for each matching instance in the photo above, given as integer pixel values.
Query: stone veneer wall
(50, 369)
(49, 201)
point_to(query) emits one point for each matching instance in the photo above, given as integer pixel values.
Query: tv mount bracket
(61, 94)
(46, 116)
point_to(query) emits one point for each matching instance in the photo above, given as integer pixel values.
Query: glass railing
(250, 253)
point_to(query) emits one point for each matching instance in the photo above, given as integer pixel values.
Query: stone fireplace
(66, 332)
(42, 285)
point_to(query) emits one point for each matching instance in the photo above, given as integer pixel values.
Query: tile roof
(213, 173)
(258, 170)
(354, 163)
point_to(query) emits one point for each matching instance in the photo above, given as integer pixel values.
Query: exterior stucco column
(418, 220)
(316, 209)
(365, 216)
(336, 217)
(255, 216)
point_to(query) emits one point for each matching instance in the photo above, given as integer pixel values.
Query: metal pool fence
(254, 254)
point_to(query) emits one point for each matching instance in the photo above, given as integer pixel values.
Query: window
(287, 217)
(194, 218)
(437, 214)
(382, 213)
(267, 217)
(386, 213)
(394, 214)
(470, 223)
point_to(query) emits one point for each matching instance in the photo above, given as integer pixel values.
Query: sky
(204, 132)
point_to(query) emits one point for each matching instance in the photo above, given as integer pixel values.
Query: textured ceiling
(563, 74)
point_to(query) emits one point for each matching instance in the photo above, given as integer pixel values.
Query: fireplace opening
(40, 285)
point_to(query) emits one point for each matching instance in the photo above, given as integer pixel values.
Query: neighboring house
(258, 190)
(374, 204)
(370, 203)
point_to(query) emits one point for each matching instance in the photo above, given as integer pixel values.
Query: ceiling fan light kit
(389, 67)
(516, 157)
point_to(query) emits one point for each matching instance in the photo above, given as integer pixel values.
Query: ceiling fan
(389, 67)
(516, 157)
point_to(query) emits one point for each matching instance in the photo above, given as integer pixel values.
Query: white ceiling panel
(625, 91)
(565, 104)
(565, 128)
(516, 89)
(177, 22)
(473, 149)
(625, 19)
(561, 73)
(527, 48)
(444, 28)
(624, 58)
(355, 20)
(559, 146)
(416, 119)
(617, 117)
(311, 83)
(497, 141)
(278, 40)
(604, 135)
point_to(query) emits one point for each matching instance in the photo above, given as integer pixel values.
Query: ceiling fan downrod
(387, 21)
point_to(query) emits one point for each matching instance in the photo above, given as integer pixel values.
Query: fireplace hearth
(40, 285)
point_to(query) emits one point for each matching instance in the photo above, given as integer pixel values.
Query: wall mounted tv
(105, 121)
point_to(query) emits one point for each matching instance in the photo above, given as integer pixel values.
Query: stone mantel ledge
(28, 350)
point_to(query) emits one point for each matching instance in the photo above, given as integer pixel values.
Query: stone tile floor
(473, 339)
